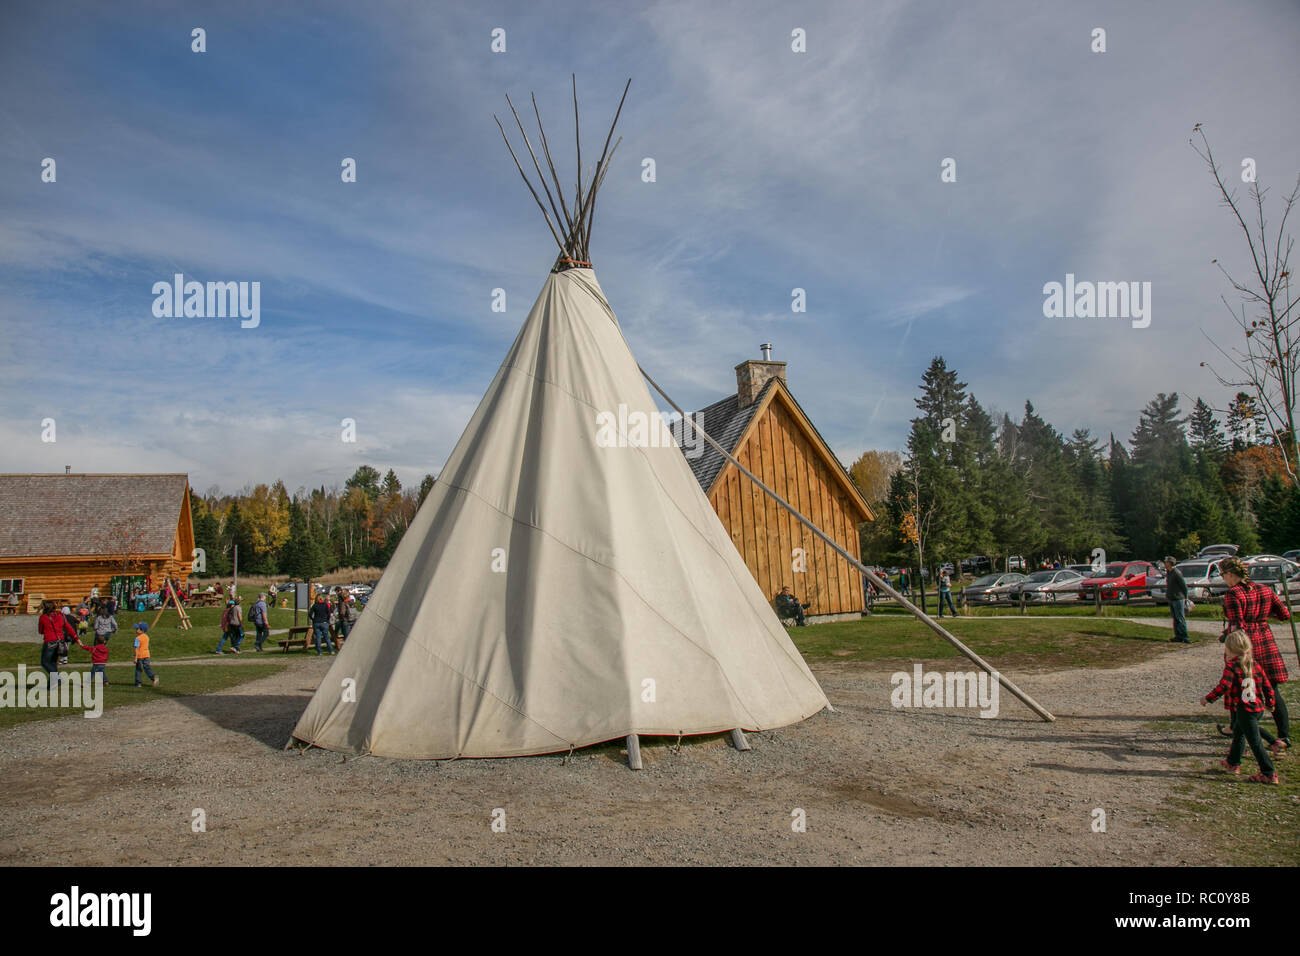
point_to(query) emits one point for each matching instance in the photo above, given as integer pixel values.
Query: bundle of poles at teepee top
(575, 223)
(574, 249)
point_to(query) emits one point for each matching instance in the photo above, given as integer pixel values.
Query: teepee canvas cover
(616, 605)
(558, 588)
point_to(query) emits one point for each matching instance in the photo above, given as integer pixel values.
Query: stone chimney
(753, 374)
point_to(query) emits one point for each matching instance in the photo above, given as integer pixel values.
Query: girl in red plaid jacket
(1248, 606)
(1246, 692)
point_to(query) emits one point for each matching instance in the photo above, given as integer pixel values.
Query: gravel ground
(877, 785)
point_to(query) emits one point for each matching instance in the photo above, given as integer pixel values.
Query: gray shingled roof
(50, 515)
(723, 421)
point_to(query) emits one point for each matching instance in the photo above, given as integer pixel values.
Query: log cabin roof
(87, 515)
(727, 423)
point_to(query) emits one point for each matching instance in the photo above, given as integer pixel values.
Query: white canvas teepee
(557, 589)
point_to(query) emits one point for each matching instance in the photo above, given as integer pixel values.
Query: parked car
(991, 587)
(1218, 550)
(1291, 555)
(1269, 570)
(1118, 581)
(287, 586)
(1202, 577)
(1083, 569)
(975, 564)
(1015, 562)
(1049, 586)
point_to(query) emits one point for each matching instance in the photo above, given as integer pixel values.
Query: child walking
(98, 657)
(142, 654)
(1246, 693)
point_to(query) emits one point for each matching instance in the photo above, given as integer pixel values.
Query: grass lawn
(1030, 642)
(1252, 824)
(172, 682)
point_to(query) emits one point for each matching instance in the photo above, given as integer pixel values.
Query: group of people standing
(60, 628)
(1253, 671)
(329, 619)
(332, 617)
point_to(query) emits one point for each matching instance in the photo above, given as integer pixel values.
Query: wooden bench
(299, 636)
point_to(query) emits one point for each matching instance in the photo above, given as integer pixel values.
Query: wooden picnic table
(299, 636)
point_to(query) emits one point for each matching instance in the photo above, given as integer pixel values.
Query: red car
(1117, 581)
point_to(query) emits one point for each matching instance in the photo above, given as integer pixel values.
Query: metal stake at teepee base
(633, 752)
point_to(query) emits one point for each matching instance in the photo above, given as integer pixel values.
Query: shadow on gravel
(1120, 772)
(1142, 718)
(268, 719)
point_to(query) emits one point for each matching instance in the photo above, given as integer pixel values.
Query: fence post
(1099, 600)
(1022, 602)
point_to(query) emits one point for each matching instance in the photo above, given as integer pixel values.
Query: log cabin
(63, 535)
(767, 431)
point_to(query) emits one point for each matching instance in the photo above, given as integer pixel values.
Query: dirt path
(878, 785)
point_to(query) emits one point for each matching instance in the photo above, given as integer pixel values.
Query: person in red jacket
(1248, 606)
(98, 657)
(54, 629)
(1247, 693)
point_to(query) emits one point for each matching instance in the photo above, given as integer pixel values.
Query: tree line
(969, 483)
(310, 532)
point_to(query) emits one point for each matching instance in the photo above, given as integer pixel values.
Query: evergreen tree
(1245, 422)
(426, 486)
(1206, 433)
(235, 534)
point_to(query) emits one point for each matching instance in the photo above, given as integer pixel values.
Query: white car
(991, 588)
(1049, 586)
(1270, 569)
(1202, 577)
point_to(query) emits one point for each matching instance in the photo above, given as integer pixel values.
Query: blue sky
(775, 170)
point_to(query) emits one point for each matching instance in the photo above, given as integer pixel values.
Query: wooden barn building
(62, 535)
(765, 429)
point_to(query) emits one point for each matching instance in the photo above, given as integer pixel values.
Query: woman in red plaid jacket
(1246, 693)
(1248, 606)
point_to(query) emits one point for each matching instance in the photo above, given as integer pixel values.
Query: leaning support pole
(1286, 596)
(633, 751)
(738, 739)
(870, 575)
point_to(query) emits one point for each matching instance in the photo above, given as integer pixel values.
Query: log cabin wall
(778, 450)
(72, 579)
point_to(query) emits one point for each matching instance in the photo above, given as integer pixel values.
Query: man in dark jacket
(319, 615)
(787, 605)
(1176, 592)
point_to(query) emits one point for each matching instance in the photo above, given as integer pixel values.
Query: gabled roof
(76, 515)
(729, 425)
(723, 421)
